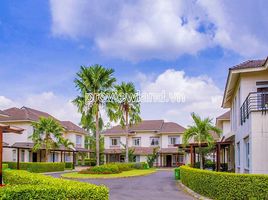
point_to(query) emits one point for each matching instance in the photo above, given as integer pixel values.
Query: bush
(223, 185)
(68, 165)
(90, 162)
(140, 165)
(38, 167)
(102, 169)
(23, 185)
(123, 166)
(4, 166)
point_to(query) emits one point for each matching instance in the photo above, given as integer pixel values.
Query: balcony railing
(255, 101)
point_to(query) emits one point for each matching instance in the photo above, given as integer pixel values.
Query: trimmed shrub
(123, 166)
(223, 185)
(4, 166)
(90, 162)
(140, 165)
(23, 185)
(38, 167)
(102, 169)
(68, 165)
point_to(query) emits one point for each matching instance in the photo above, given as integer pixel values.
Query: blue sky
(43, 43)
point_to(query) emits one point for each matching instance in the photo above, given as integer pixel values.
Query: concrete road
(158, 186)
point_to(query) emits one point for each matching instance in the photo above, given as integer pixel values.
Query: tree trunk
(127, 159)
(97, 140)
(200, 156)
(46, 155)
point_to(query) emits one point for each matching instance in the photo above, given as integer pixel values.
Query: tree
(151, 158)
(126, 109)
(93, 82)
(201, 133)
(47, 133)
(67, 144)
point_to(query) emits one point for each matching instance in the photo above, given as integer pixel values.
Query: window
(238, 153)
(115, 141)
(136, 142)
(22, 155)
(14, 155)
(136, 158)
(247, 153)
(173, 140)
(78, 141)
(154, 141)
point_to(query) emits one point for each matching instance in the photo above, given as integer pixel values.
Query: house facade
(227, 156)
(20, 146)
(246, 95)
(143, 138)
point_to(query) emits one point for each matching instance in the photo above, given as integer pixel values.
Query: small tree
(47, 133)
(130, 153)
(151, 158)
(201, 133)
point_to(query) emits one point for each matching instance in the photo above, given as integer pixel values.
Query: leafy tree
(126, 109)
(92, 82)
(130, 153)
(201, 132)
(67, 144)
(47, 133)
(151, 158)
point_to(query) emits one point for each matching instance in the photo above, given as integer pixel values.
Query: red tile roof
(158, 126)
(29, 114)
(70, 126)
(249, 64)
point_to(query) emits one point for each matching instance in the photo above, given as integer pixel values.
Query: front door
(34, 157)
(169, 160)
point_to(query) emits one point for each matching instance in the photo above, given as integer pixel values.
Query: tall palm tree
(91, 82)
(200, 132)
(47, 133)
(126, 109)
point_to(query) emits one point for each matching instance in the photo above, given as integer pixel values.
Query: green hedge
(68, 165)
(38, 167)
(23, 185)
(90, 162)
(223, 185)
(102, 169)
(4, 166)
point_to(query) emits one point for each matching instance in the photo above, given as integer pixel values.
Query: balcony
(255, 101)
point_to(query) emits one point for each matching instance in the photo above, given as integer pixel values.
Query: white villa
(246, 95)
(144, 137)
(19, 146)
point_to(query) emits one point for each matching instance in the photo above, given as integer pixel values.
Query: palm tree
(126, 109)
(47, 133)
(201, 132)
(67, 144)
(91, 82)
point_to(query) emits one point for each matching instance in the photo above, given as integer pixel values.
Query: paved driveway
(158, 186)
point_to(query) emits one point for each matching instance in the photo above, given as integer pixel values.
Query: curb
(191, 192)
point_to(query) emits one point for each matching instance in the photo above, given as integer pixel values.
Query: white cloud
(145, 29)
(202, 97)
(57, 106)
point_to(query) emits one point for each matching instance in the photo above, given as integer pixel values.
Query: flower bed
(222, 185)
(23, 185)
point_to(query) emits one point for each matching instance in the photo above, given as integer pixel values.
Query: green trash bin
(177, 173)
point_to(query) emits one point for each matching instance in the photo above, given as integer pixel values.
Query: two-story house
(228, 152)
(23, 118)
(143, 138)
(246, 95)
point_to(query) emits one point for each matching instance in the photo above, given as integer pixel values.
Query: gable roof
(157, 126)
(3, 114)
(234, 74)
(70, 126)
(249, 64)
(29, 114)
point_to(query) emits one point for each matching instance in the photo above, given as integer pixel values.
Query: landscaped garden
(112, 170)
(24, 185)
(223, 185)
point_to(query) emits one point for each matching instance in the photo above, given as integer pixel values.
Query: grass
(125, 174)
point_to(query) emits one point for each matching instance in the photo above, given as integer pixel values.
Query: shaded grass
(124, 174)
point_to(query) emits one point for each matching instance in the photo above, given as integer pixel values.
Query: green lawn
(134, 172)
